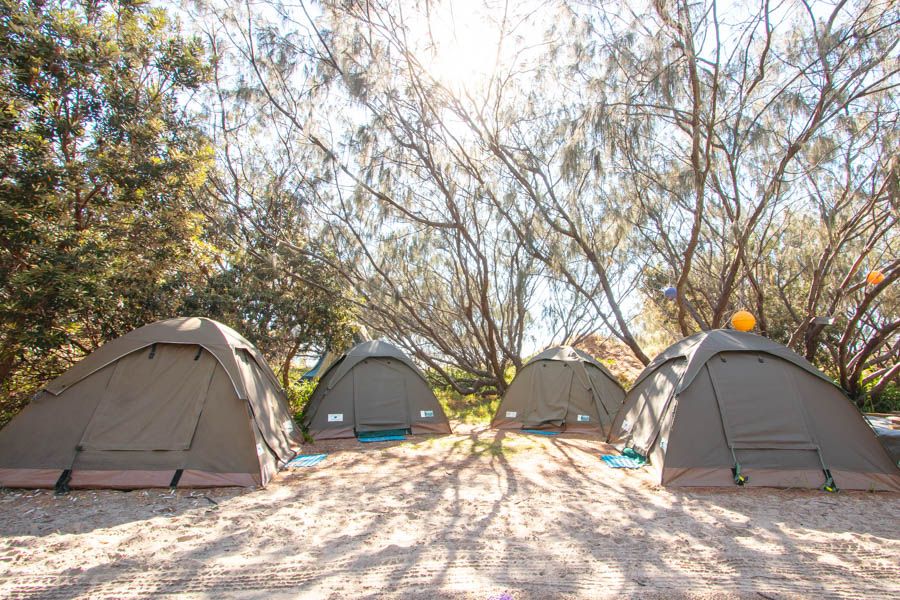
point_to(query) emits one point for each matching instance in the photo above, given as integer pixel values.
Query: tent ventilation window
(199, 352)
(152, 352)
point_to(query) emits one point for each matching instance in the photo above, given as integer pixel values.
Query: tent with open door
(724, 407)
(561, 389)
(373, 387)
(186, 402)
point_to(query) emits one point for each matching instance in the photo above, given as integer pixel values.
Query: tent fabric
(375, 348)
(700, 347)
(132, 416)
(642, 414)
(561, 389)
(699, 414)
(151, 404)
(568, 353)
(373, 387)
(219, 340)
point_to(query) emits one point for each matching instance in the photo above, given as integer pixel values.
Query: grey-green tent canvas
(724, 407)
(561, 389)
(373, 387)
(186, 402)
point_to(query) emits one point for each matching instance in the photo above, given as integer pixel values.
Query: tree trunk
(286, 366)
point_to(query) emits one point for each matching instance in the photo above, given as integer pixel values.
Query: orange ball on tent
(875, 277)
(743, 320)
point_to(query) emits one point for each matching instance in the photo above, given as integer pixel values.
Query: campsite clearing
(476, 514)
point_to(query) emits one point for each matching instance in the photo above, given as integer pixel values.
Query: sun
(463, 43)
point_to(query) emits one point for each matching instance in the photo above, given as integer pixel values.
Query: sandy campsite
(477, 514)
(443, 299)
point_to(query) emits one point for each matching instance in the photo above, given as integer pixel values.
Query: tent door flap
(549, 403)
(758, 404)
(152, 404)
(379, 397)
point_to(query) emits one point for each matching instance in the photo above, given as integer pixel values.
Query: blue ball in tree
(670, 293)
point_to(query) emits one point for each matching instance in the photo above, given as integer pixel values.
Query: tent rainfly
(561, 389)
(724, 407)
(373, 387)
(184, 402)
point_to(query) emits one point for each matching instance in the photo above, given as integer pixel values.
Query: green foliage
(885, 402)
(97, 161)
(282, 303)
(299, 393)
(104, 225)
(474, 409)
(458, 231)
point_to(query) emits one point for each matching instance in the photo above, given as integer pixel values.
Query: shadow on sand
(478, 512)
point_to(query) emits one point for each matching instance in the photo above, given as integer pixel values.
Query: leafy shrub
(298, 394)
(474, 409)
(887, 401)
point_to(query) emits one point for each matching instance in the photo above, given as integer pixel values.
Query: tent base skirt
(582, 428)
(124, 480)
(335, 433)
(779, 478)
(425, 428)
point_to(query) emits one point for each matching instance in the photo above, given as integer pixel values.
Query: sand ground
(478, 514)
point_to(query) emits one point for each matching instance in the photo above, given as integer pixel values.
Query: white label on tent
(426, 413)
(511, 414)
(626, 426)
(336, 418)
(259, 450)
(584, 418)
(288, 425)
(663, 444)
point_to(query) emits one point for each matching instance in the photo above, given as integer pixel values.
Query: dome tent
(723, 407)
(373, 387)
(186, 402)
(561, 389)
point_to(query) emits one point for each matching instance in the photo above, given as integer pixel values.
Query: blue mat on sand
(383, 438)
(306, 460)
(622, 462)
(628, 460)
(540, 432)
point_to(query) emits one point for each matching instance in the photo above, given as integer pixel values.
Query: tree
(593, 154)
(99, 154)
(270, 303)
(270, 284)
(447, 282)
(763, 172)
